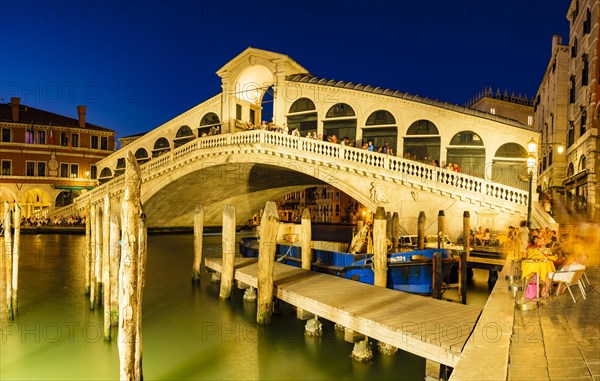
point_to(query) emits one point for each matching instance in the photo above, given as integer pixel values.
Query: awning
(576, 180)
(69, 187)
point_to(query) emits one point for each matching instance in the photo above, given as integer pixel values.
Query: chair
(569, 278)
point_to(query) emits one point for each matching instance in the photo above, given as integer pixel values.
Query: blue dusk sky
(137, 64)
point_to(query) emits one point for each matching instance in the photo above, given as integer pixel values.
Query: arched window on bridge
(381, 128)
(105, 175)
(303, 116)
(65, 198)
(422, 142)
(340, 120)
(120, 168)
(510, 166)
(184, 135)
(466, 149)
(161, 146)
(141, 155)
(209, 123)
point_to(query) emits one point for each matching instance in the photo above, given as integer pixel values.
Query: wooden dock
(486, 258)
(434, 329)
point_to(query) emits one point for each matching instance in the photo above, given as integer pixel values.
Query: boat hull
(407, 271)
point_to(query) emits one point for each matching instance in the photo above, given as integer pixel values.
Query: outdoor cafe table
(540, 267)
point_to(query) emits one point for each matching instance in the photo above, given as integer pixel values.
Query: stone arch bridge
(247, 169)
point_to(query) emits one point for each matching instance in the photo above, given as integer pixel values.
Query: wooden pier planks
(430, 328)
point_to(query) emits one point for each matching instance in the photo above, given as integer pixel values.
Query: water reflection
(188, 332)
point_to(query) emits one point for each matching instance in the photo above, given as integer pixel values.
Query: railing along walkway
(330, 154)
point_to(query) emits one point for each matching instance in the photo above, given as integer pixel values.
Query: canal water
(188, 333)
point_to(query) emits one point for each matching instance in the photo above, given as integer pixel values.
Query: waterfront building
(568, 114)
(325, 203)
(517, 107)
(48, 159)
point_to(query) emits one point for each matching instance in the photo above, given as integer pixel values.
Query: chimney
(556, 40)
(81, 113)
(15, 103)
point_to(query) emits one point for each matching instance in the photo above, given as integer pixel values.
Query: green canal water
(188, 333)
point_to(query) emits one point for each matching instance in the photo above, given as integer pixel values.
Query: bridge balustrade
(408, 170)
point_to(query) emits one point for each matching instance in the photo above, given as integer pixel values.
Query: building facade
(516, 107)
(48, 159)
(326, 204)
(568, 112)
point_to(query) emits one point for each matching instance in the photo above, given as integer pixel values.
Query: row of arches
(35, 202)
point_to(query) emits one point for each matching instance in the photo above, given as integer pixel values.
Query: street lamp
(531, 159)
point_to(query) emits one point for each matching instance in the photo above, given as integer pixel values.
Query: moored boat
(409, 271)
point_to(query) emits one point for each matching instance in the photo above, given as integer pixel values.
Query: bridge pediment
(253, 56)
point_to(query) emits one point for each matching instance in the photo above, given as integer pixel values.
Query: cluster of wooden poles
(115, 264)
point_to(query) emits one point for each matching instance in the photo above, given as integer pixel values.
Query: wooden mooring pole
(306, 250)
(441, 229)
(142, 255)
(115, 261)
(106, 265)
(129, 273)
(462, 269)
(395, 230)
(437, 275)
(93, 256)
(88, 248)
(98, 257)
(306, 240)
(228, 251)
(9, 258)
(421, 230)
(269, 225)
(198, 237)
(15, 254)
(380, 247)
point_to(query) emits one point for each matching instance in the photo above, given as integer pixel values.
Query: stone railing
(337, 155)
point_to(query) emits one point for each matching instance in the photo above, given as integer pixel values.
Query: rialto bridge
(246, 166)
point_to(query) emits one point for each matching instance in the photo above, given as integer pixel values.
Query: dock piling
(228, 247)
(129, 336)
(88, 249)
(266, 256)
(198, 230)
(380, 248)
(15, 254)
(9, 258)
(93, 256)
(421, 230)
(115, 259)
(464, 255)
(106, 292)
(395, 229)
(441, 229)
(437, 276)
